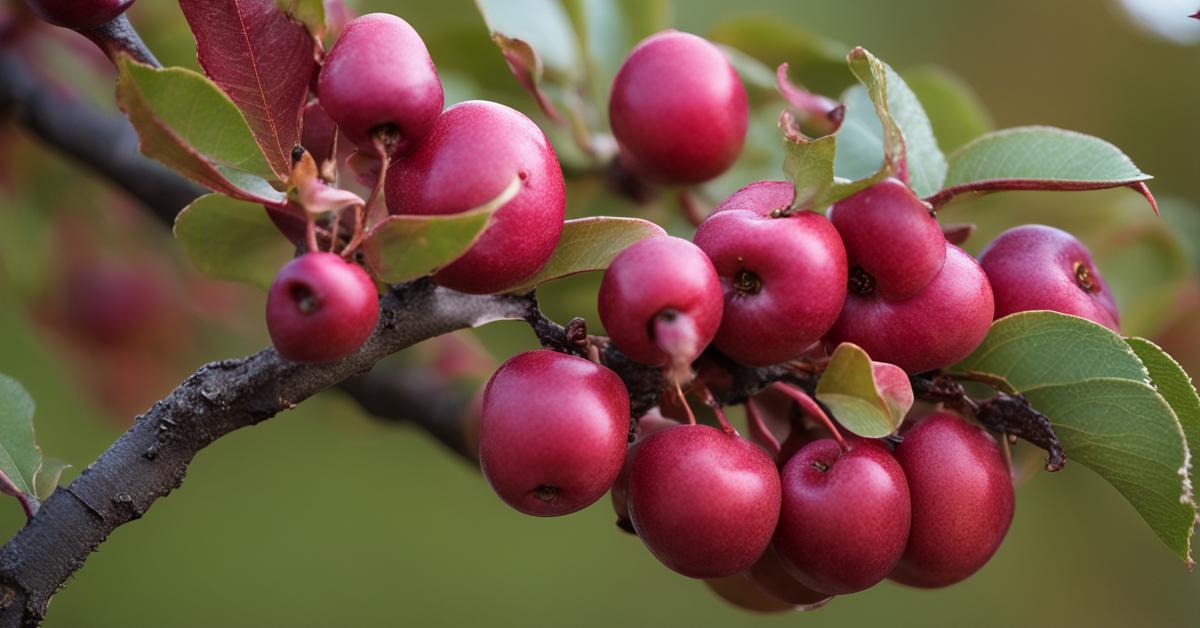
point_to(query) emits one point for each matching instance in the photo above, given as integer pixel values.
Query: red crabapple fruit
(552, 433)
(476, 150)
(321, 308)
(378, 76)
(678, 110)
(1035, 267)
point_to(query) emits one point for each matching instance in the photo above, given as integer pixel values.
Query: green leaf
(1037, 157)
(808, 164)
(908, 135)
(1042, 348)
(311, 13)
(860, 137)
(232, 240)
(1126, 432)
(186, 122)
(954, 109)
(821, 62)
(849, 389)
(1175, 385)
(47, 477)
(589, 244)
(1098, 396)
(543, 25)
(812, 164)
(405, 247)
(19, 453)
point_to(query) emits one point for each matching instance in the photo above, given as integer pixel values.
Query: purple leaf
(263, 60)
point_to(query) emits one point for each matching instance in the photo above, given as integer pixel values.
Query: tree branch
(106, 144)
(420, 397)
(1008, 413)
(151, 459)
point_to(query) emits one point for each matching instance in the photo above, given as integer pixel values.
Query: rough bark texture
(151, 459)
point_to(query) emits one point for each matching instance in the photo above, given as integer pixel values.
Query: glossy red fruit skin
(321, 308)
(771, 574)
(78, 14)
(475, 151)
(377, 73)
(653, 421)
(1035, 267)
(843, 529)
(890, 233)
(962, 500)
(652, 276)
(784, 279)
(934, 328)
(678, 110)
(704, 502)
(552, 420)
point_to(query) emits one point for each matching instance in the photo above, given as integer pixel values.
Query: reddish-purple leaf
(319, 133)
(825, 114)
(263, 60)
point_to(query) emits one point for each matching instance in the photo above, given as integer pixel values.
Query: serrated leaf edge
(1188, 498)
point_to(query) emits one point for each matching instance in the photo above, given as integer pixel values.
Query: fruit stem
(810, 406)
(759, 430)
(337, 226)
(711, 401)
(363, 214)
(683, 400)
(310, 232)
(691, 207)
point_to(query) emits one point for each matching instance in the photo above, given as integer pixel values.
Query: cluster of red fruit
(378, 80)
(761, 283)
(764, 284)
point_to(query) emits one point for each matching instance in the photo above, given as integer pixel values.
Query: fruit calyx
(747, 282)
(1083, 278)
(861, 282)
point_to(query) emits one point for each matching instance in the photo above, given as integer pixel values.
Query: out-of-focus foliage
(372, 524)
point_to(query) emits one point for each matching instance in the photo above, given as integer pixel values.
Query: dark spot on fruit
(304, 298)
(388, 134)
(523, 175)
(819, 466)
(747, 282)
(1083, 278)
(547, 493)
(861, 282)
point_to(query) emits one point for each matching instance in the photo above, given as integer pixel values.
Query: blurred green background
(324, 516)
